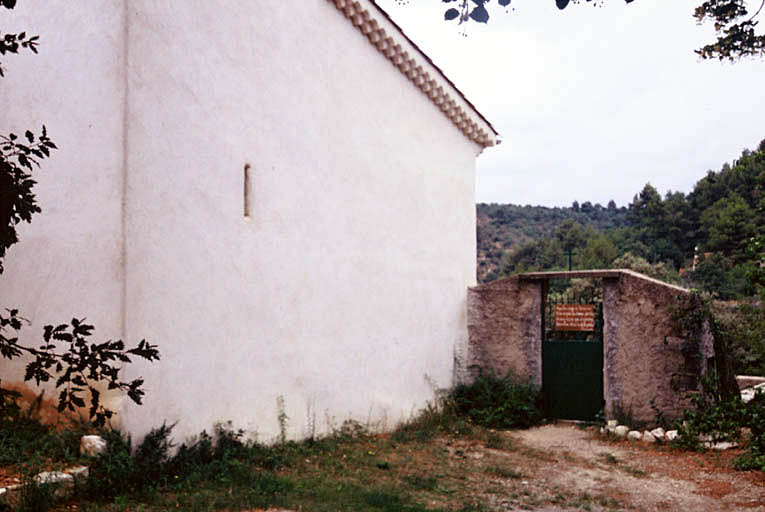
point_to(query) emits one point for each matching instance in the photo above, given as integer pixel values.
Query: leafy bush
(223, 458)
(495, 402)
(745, 323)
(724, 420)
(113, 472)
(35, 497)
(754, 418)
(721, 420)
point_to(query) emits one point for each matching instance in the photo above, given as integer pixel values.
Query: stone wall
(643, 360)
(505, 330)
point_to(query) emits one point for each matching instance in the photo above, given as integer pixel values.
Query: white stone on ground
(671, 435)
(748, 394)
(63, 482)
(634, 435)
(723, 445)
(621, 430)
(658, 433)
(54, 477)
(647, 437)
(92, 445)
(612, 423)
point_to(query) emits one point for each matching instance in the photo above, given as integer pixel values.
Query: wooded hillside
(721, 221)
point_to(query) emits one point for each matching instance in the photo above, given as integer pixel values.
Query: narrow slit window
(247, 190)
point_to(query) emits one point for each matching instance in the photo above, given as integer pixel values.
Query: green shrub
(754, 418)
(723, 420)
(35, 497)
(495, 402)
(113, 472)
(224, 458)
(432, 420)
(22, 437)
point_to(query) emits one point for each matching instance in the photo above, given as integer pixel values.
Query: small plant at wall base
(724, 420)
(498, 402)
(82, 363)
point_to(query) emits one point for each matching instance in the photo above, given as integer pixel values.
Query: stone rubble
(722, 445)
(63, 481)
(659, 435)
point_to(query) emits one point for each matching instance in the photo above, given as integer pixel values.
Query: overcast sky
(593, 102)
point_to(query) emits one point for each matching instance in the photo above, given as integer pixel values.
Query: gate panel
(572, 352)
(572, 378)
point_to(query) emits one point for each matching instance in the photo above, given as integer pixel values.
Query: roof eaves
(445, 95)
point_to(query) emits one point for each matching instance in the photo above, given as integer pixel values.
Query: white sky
(593, 102)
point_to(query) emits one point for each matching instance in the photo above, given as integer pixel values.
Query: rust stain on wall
(38, 403)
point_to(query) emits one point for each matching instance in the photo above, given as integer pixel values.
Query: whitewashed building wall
(343, 291)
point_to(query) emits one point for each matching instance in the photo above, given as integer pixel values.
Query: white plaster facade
(344, 291)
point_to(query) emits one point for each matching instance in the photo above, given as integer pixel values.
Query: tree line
(710, 238)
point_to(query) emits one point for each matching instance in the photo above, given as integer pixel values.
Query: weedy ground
(430, 466)
(445, 466)
(442, 460)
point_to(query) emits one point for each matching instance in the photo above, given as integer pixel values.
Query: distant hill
(503, 228)
(711, 238)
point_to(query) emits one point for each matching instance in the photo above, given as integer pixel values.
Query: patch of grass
(504, 472)
(635, 472)
(434, 420)
(496, 441)
(421, 482)
(34, 497)
(436, 461)
(348, 470)
(534, 453)
(586, 501)
(23, 438)
(609, 458)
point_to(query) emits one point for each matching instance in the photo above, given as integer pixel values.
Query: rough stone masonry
(645, 362)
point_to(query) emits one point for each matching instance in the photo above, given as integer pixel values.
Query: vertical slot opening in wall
(247, 192)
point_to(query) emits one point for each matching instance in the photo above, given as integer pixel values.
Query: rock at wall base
(92, 446)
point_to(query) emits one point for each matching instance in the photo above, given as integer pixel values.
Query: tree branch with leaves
(736, 29)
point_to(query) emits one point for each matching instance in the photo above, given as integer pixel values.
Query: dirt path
(637, 476)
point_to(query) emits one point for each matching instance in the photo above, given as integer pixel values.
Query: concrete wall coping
(602, 273)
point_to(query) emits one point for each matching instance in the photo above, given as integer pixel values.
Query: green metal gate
(572, 356)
